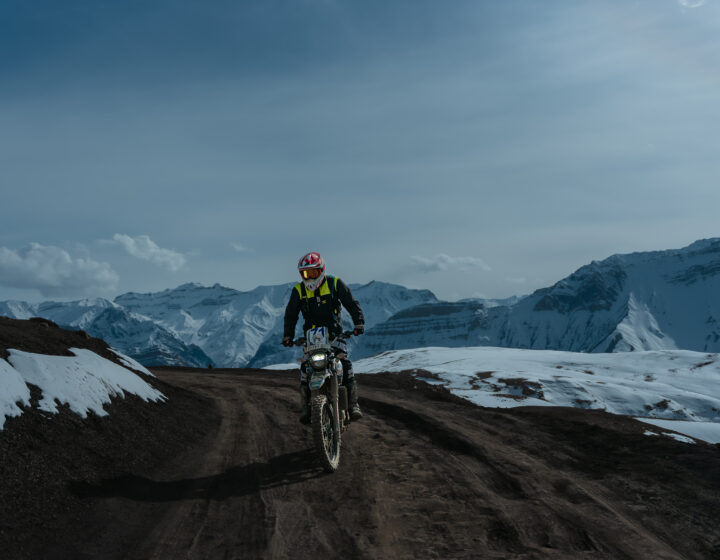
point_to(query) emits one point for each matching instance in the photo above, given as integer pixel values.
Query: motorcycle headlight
(318, 360)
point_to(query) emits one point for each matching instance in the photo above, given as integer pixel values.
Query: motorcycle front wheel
(326, 432)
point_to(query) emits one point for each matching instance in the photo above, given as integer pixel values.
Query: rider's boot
(355, 412)
(304, 403)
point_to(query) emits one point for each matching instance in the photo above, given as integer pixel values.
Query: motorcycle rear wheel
(326, 433)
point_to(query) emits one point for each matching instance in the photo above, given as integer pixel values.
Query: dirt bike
(330, 415)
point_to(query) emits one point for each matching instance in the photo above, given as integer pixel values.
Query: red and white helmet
(312, 270)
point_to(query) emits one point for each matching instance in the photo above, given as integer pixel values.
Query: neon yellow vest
(324, 291)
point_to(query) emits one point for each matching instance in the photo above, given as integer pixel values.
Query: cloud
(691, 3)
(53, 272)
(144, 248)
(239, 247)
(446, 262)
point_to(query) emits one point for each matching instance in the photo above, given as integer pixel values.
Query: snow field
(669, 385)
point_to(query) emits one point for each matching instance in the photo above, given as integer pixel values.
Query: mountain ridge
(637, 301)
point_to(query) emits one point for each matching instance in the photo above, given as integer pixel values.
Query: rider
(318, 297)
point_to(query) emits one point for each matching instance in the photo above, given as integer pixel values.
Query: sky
(476, 149)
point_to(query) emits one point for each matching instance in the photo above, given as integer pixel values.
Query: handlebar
(342, 336)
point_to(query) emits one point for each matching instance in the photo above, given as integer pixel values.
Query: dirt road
(423, 475)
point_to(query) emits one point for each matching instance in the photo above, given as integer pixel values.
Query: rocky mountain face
(227, 324)
(641, 301)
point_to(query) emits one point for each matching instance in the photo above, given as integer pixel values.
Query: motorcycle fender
(317, 379)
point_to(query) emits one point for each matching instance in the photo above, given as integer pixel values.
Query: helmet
(312, 270)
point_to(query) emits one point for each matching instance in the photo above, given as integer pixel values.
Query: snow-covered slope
(668, 385)
(641, 301)
(85, 382)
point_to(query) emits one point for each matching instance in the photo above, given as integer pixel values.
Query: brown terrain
(223, 470)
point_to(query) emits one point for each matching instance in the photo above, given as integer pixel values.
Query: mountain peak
(190, 286)
(711, 244)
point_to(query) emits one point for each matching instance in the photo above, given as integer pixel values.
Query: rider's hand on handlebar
(358, 330)
(287, 341)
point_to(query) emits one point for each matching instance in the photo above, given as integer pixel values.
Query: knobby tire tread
(318, 403)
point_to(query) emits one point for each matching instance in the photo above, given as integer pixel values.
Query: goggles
(310, 273)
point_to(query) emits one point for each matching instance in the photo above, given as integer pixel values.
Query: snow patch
(12, 391)
(289, 365)
(85, 382)
(705, 431)
(678, 437)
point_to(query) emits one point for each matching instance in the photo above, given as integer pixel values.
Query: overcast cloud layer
(472, 148)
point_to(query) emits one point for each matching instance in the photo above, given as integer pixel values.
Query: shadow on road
(283, 470)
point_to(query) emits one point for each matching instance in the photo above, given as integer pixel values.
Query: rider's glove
(287, 341)
(358, 330)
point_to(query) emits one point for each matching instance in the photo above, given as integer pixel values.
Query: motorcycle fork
(333, 396)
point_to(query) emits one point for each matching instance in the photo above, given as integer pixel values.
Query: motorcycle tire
(326, 433)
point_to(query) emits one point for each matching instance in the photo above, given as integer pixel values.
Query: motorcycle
(330, 414)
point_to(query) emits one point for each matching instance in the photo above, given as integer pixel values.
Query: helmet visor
(310, 273)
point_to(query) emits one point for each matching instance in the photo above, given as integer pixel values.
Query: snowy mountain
(245, 328)
(227, 324)
(641, 301)
(432, 324)
(195, 325)
(135, 335)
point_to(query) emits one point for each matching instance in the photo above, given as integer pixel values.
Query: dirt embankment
(42, 336)
(43, 455)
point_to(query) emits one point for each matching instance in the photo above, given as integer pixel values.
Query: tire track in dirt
(507, 523)
(223, 489)
(423, 475)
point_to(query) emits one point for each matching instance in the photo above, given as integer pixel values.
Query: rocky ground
(224, 470)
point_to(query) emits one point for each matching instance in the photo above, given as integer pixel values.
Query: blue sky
(472, 148)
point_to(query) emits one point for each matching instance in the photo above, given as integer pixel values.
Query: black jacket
(321, 308)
